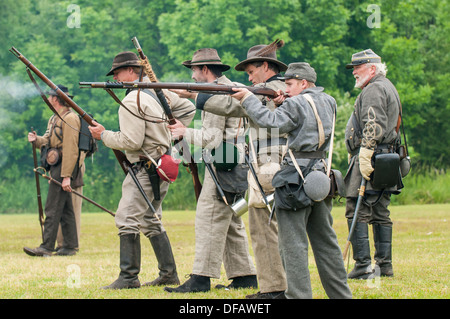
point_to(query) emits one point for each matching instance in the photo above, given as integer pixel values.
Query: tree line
(73, 41)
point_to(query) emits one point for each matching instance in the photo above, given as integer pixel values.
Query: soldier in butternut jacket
(65, 160)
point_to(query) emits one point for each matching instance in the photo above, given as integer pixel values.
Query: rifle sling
(118, 101)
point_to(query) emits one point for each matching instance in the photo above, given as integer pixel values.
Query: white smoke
(14, 98)
(14, 94)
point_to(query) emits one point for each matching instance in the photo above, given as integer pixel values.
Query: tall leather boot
(382, 236)
(166, 262)
(130, 263)
(361, 251)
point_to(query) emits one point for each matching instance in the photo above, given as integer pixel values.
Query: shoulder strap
(319, 121)
(118, 101)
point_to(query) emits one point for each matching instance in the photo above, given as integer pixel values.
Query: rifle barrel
(199, 87)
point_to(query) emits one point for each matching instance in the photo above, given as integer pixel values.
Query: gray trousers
(133, 214)
(313, 223)
(376, 214)
(220, 236)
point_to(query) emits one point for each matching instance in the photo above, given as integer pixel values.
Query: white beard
(361, 81)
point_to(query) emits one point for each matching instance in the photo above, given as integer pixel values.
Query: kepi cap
(366, 56)
(300, 71)
(62, 88)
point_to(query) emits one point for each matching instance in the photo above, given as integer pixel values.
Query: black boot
(241, 282)
(194, 284)
(166, 262)
(130, 263)
(382, 236)
(361, 251)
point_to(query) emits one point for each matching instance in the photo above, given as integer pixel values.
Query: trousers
(220, 236)
(313, 223)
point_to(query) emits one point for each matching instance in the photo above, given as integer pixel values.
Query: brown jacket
(65, 137)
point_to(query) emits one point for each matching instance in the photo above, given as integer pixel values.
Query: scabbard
(141, 190)
(154, 179)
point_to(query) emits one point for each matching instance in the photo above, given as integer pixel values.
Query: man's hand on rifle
(32, 137)
(66, 184)
(241, 94)
(280, 98)
(177, 130)
(96, 130)
(185, 94)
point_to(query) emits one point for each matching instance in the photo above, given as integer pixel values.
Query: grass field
(421, 255)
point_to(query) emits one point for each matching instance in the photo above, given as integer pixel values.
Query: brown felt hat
(206, 56)
(123, 60)
(263, 52)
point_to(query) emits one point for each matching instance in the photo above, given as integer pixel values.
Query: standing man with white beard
(372, 128)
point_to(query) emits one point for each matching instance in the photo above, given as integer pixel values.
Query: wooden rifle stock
(193, 87)
(121, 157)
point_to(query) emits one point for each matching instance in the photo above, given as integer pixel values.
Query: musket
(192, 87)
(73, 191)
(180, 144)
(38, 189)
(362, 189)
(121, 157)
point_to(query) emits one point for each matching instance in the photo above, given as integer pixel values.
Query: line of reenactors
(280, 168)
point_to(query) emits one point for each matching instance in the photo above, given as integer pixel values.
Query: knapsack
(85, 141)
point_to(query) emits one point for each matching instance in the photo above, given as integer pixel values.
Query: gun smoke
(14, 94)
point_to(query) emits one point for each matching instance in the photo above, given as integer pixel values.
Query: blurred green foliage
(73, 41)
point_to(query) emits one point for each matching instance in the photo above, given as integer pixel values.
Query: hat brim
(241, 65)
(125, 65)
(362, 61)
(189, 64)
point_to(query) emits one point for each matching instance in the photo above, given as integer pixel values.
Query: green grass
(421, 259)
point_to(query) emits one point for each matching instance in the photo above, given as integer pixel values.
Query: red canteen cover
(168, 168)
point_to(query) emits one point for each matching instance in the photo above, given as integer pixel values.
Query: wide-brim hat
(365, 56)
(62, 88)
(206, 56)
(300, 71)
(263, 52)
(124, 59)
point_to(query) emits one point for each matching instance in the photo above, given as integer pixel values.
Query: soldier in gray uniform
(299, 217)
(372, 128)
(220, 236)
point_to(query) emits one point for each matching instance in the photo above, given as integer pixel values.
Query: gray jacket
(372, 124)
(296, 118)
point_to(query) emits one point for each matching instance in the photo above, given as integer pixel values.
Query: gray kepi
(300, 71)
(365, 56)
